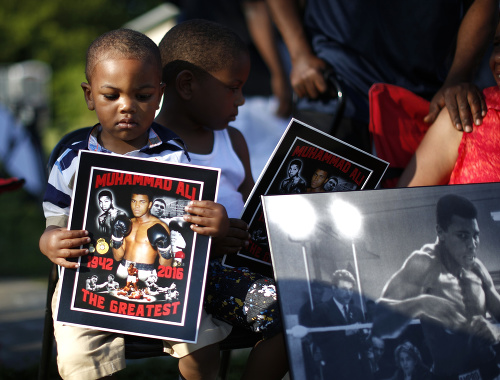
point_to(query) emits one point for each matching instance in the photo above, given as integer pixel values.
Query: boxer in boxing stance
(449, 289)
(140, 239)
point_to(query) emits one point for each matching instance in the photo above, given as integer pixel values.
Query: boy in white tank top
(205, 66)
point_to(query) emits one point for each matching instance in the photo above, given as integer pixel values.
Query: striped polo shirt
(163, 145)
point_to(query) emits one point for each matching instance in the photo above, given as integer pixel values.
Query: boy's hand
(208, 218)
(58, 244)
(237, 237)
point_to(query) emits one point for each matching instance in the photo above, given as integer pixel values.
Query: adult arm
(435, 157)
(306, 76)
(458, 94)
(263, 35)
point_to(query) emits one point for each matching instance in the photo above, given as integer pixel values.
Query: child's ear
(87, 92)
(162, 93)
(184, 84)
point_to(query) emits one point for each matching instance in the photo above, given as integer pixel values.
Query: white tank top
(225, 158)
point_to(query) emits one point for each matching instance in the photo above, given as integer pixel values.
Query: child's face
(125, 93)
(220, 95)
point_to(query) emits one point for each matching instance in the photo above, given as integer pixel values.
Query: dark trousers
(351, 131)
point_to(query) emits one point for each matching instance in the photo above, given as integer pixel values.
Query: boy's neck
(198, 138)
(120, 146)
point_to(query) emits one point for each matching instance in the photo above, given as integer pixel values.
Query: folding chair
(10, 184)
(136, 347)
(397, 126)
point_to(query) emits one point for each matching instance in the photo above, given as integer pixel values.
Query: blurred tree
(58, 32)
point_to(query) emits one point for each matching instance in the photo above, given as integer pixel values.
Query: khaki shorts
(84, 353)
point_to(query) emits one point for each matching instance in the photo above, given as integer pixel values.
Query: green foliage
(58, 33)
(69, 107)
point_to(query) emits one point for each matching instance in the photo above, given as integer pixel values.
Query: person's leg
(249, 300)
(202, 364)
(200, 360)
(243, 298)
(86, 353)
(267, 360)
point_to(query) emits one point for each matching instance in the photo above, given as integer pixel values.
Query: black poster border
(371, 171)
(394, 225)
(154, 321)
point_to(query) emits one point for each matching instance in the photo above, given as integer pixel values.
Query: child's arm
(436, 155)
(207, 218)
(237, 237)
(241, 148)
(58, 244)
(210, 218)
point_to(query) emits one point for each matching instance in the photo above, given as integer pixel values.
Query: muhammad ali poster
(306, 160)
(389, 284)
(146, 268)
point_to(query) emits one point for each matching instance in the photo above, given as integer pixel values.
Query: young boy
(124, 88)
(205, 66)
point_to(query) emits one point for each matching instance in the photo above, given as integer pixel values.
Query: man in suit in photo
(337, 352)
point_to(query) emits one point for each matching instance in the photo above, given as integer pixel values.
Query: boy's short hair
(199, 45)
(126, 43)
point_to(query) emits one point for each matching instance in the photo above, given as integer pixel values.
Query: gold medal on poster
(102, 246)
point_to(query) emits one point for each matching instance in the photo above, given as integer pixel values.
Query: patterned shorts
(242, 298)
